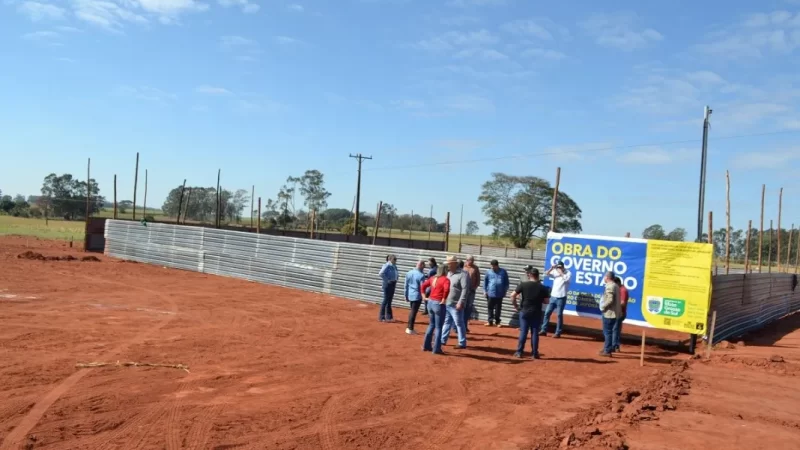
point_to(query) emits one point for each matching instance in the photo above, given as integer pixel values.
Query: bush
(348, 228)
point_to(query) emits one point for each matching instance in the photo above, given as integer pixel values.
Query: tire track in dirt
(198, 435)
(328, 434)
(15, 438)
(173, 433)
(450, 428)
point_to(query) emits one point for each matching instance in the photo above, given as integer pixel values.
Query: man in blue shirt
(388, 276)
(414, 279)
(495, 285)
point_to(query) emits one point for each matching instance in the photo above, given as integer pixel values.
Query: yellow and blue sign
(669, 283)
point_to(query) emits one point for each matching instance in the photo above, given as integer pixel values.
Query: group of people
(447, 297)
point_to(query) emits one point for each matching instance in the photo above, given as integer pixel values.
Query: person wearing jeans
(495, 285)
(456, 303)
(432, 267)
(558, 298)
(435, 291)
(623, 306)
(388, 274)
(474, 274)
(534, 295)
(413, 293)
(610, 308)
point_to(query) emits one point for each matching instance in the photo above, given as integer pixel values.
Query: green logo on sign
(673, 307)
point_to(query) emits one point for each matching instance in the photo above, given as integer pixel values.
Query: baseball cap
(560, 264)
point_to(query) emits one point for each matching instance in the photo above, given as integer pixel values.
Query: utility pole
(703, 160)
(701, 199)
(360, 158)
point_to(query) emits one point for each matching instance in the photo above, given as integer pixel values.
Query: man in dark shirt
(534, 295)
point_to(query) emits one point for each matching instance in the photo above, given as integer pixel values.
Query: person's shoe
(543, 333)
(460, 347)
(536, 356)
(557, 336)
(605, 353)
(427, 349)
(518, 355)
(438, 353)
(410, 331)
(499, 325)
(616, 349)
(489, 324)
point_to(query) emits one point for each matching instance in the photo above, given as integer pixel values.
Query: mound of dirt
(603, 425)
(40, 257)
(773, 364)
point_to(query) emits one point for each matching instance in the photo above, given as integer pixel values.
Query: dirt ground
(282, 369)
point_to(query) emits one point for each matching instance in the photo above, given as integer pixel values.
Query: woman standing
(435, 290)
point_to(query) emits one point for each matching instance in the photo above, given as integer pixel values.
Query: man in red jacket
(623, 304)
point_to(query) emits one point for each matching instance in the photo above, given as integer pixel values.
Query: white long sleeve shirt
(560, 283)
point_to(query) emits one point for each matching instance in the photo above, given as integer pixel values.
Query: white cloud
(453, 39)
(779, 159)
(459, 21)
(41, 11)
(792, 124)
(620, 31)
(66, 29)
(247, 7)
(654, 155)
(236, 41)
(481, 53)
(469, 103)
(286, 40)
(106, 14)
(41, 36)
(168, 8)
(146, 93)
(243, 49)
(212, 90)
(756, 36)
(579, 152)
(543, 54)
(540, 28)
(705, 77)
(294, 7)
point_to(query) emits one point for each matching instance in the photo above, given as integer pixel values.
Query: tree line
(63, 196)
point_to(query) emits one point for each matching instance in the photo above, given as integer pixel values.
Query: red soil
(282, 369)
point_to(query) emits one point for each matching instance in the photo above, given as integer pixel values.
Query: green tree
(312, 187)
(66, 196)
(519, 208)
(472, 228)
(348, 228)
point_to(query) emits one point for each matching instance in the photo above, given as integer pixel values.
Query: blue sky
(611, 92)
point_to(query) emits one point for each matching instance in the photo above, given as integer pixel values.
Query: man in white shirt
(558, 298)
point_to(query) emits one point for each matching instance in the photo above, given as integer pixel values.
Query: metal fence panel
(504, 252)
(743, 302)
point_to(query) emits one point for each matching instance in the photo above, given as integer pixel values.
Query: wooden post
(710, 343)
(780, 207)
(411, 225)
(769, 251)
(797, 255)
(144, 206)
(313, 221)
(641, 356)
(219, 202)
(711, 228)
(135, 184)
(761, 229)
(377, 222)
(555, 201)
(727, 222)
(628, 234)
(186, 210)
(447, 232)
(258, 222)
(180, 203)
(430, 220)
(252, 199)
(747, 247)
(115, 196)
(789, 250)
(88, 189)
(460, 227)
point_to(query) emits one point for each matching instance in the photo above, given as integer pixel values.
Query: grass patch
(53, 229)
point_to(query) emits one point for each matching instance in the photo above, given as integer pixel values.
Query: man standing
(413, 292)
(609, 306)
(436, 289)
(495, 285)
(456, 302)
(558, 298)
(623, 307)
(388, 276)
(534, 295)
(474, 274)
(432, 268)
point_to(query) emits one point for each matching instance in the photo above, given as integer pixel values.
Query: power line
(562, 152)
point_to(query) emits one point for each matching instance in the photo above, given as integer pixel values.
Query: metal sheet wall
(336, 268)
(505, 252)
(346, 270)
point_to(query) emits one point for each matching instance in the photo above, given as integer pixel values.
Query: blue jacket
(414, 280)
(388, 272)
(496, 284)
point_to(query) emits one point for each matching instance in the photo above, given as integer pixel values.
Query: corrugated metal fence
(336, 268)
(742, 302)
(503, 252)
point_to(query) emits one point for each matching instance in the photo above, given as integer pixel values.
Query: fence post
(506, 251)
(258, 223)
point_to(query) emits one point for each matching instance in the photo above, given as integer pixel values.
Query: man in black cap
(534, 295)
